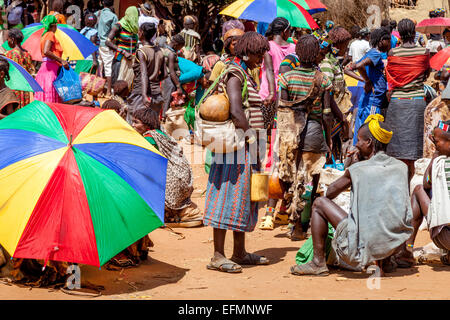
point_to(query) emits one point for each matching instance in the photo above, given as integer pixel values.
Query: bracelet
(327, 111)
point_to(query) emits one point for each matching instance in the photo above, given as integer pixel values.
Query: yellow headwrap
(379, 133)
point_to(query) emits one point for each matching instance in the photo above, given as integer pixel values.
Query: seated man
(436, 206)
(380, 211)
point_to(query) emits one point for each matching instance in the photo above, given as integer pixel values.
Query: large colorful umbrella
(355, 87)
(312, 6)
(20, 79)
(268, 10)
(75, 45)
(78, 184)
(440, 59)
(433, 25)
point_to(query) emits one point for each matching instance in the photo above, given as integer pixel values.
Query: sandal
(282, 219)
(251, 259)
(266, 223)
(224, 265)
(445, 259)
(308, 270)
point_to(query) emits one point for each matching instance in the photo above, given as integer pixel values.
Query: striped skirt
(228, 203)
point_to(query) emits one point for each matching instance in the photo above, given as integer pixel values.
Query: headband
(379, 133)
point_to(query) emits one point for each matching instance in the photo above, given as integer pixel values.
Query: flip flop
(251, 259)
(266, 223)
(445, 259)
(224, 265)
(308, 270)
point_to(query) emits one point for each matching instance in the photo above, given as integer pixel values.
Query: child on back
(432, 199)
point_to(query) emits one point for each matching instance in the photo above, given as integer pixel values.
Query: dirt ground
(176, 269)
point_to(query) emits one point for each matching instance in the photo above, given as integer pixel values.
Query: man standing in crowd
(106, 19)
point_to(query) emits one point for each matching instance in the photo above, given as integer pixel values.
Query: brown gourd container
(276, 190)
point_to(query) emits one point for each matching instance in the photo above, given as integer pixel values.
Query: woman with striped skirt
(228, 205)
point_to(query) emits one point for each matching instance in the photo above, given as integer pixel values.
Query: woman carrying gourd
(228, 205)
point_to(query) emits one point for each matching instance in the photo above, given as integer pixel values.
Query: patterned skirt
(228, 203)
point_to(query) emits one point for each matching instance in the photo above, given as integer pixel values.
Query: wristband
(327, 111)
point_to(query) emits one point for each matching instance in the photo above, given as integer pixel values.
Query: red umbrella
(433, 25)
(440, 59)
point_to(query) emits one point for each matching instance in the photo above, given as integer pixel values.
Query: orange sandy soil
(176, 269)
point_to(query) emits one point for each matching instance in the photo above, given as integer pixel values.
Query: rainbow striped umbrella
(355, 87)
(20, 79)
(312, 6)
(268, 10)
(78, 184)
(75, 45)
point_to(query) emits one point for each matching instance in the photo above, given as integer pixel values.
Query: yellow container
(259, 189)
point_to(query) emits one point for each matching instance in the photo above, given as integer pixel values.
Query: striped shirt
(298, 83)
(414, 89)
(253, 103)
(331, 67)
(447, 173)
(126, 41)
(291, 60)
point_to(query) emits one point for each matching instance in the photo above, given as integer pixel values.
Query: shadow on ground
(274, 255)
(148, 275)
(364, 275)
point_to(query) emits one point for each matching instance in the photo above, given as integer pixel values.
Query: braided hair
(407, 30)
(251, 43)
(339, 35)
(277, 27)
(307, 48)
(4, 66)
(17, 35)
(379, 35)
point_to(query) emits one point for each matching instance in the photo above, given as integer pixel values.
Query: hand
(354, 154)
(65, 64)
(127, 55)
(368, 86)
(146, 101)
(95, 64)
(180, 92)
(351, 66)
(329, 158)
(269, 99)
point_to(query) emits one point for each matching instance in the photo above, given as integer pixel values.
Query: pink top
(278, 53)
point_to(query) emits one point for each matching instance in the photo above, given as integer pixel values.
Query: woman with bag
(228, 205)
(22, 57)
(52, 60)
(302, 117)
(123, 40)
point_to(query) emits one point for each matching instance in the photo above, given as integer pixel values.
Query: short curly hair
(149, 117)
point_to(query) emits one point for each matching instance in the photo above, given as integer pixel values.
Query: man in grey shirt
(106, 19)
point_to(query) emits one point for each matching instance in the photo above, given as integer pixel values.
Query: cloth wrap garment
(380, 212)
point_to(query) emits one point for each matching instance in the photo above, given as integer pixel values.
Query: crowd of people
(288, 84)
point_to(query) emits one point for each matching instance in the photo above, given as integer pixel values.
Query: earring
(245, 58)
